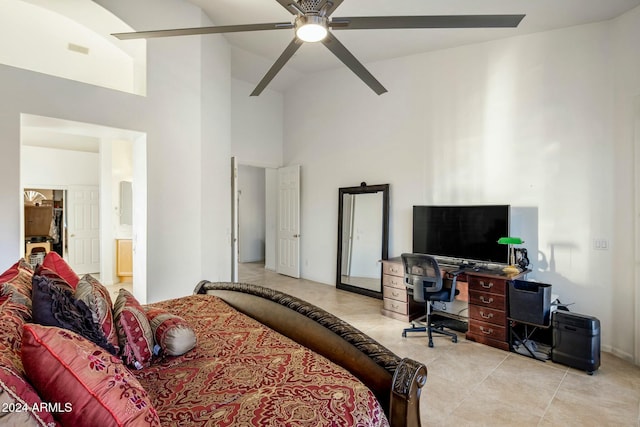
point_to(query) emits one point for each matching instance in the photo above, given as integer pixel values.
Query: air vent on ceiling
(77, 48)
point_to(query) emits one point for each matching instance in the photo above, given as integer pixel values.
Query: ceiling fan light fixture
(311, 28)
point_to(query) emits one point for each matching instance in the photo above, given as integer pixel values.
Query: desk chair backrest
(421, 275)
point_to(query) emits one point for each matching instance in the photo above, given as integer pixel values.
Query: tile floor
(470, 384)
(115, 289)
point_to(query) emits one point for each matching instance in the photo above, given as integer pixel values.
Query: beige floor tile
(470, 384)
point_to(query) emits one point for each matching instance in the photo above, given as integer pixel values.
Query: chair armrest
(455, 275)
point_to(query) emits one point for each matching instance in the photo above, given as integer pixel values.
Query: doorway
(44, 223)
(89, 160)
(254, 196)
(251, 214)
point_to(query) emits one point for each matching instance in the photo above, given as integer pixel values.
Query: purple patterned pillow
(134, 331)
(56, 306)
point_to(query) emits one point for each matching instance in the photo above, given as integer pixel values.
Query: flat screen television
(469, 233)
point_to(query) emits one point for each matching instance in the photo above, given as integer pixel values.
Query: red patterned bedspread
(242, 373)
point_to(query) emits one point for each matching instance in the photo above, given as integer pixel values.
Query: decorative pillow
(54, 277)
(15, 392)
(11, 292)
(21, 405)
(172, 333)
(21, 283)
(56, 263)
(134, 332)
(12, 271)
(91, 292)
(12, 318)
(90, 386)
(56, 306)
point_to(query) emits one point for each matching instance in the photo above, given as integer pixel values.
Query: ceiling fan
(312, 22)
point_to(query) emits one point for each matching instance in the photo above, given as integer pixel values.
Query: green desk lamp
(511, 268)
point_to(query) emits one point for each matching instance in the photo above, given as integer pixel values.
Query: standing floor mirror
(363, 238)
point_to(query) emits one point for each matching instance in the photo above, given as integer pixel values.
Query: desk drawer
(396, 306)
(395, 293)
(488, 300)
(488, 330)
(393, 281)
(486, 314)
(392, 268)
(488, 284)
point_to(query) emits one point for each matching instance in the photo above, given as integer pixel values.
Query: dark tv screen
(467, 232)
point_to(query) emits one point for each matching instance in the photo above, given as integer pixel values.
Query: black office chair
(424, 283)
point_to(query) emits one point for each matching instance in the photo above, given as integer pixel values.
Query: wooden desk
(397, 304)
(488, 307)
(485, 291)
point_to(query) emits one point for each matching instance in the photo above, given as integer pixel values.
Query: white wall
(104, 64)
(50, 166)
(251, 213)
(526, 121)
(256, 125)
(256, 140)
(121, 170)
(187, 156)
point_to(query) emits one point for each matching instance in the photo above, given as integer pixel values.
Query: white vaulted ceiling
(263, 48)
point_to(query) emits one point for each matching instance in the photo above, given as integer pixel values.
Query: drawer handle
(394, 270)
(486, 285)
(489, 301)
(487, 331)
(395, 294)
(486, 316)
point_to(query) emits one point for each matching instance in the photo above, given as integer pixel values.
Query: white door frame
(636, 146)
(234, 219)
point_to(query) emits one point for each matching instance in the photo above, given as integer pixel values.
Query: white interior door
(83, 224)
(288, 262)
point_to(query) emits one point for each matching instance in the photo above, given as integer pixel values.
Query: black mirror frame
(362, 189)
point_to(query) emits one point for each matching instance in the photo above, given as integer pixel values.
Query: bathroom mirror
(363, 238)
(126, 203)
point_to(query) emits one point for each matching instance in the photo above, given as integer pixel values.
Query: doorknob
(296, 235)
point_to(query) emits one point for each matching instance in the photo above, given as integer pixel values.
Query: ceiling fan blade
(277, 66)
(203, 30)
(444, 21)
(338, 49)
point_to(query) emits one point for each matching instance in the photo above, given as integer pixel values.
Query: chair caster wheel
(404, 334)
(454, 339)
(430, 344)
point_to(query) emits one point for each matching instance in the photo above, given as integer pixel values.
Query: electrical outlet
(601, 244)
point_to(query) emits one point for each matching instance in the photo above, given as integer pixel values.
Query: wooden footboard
(396, 382)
